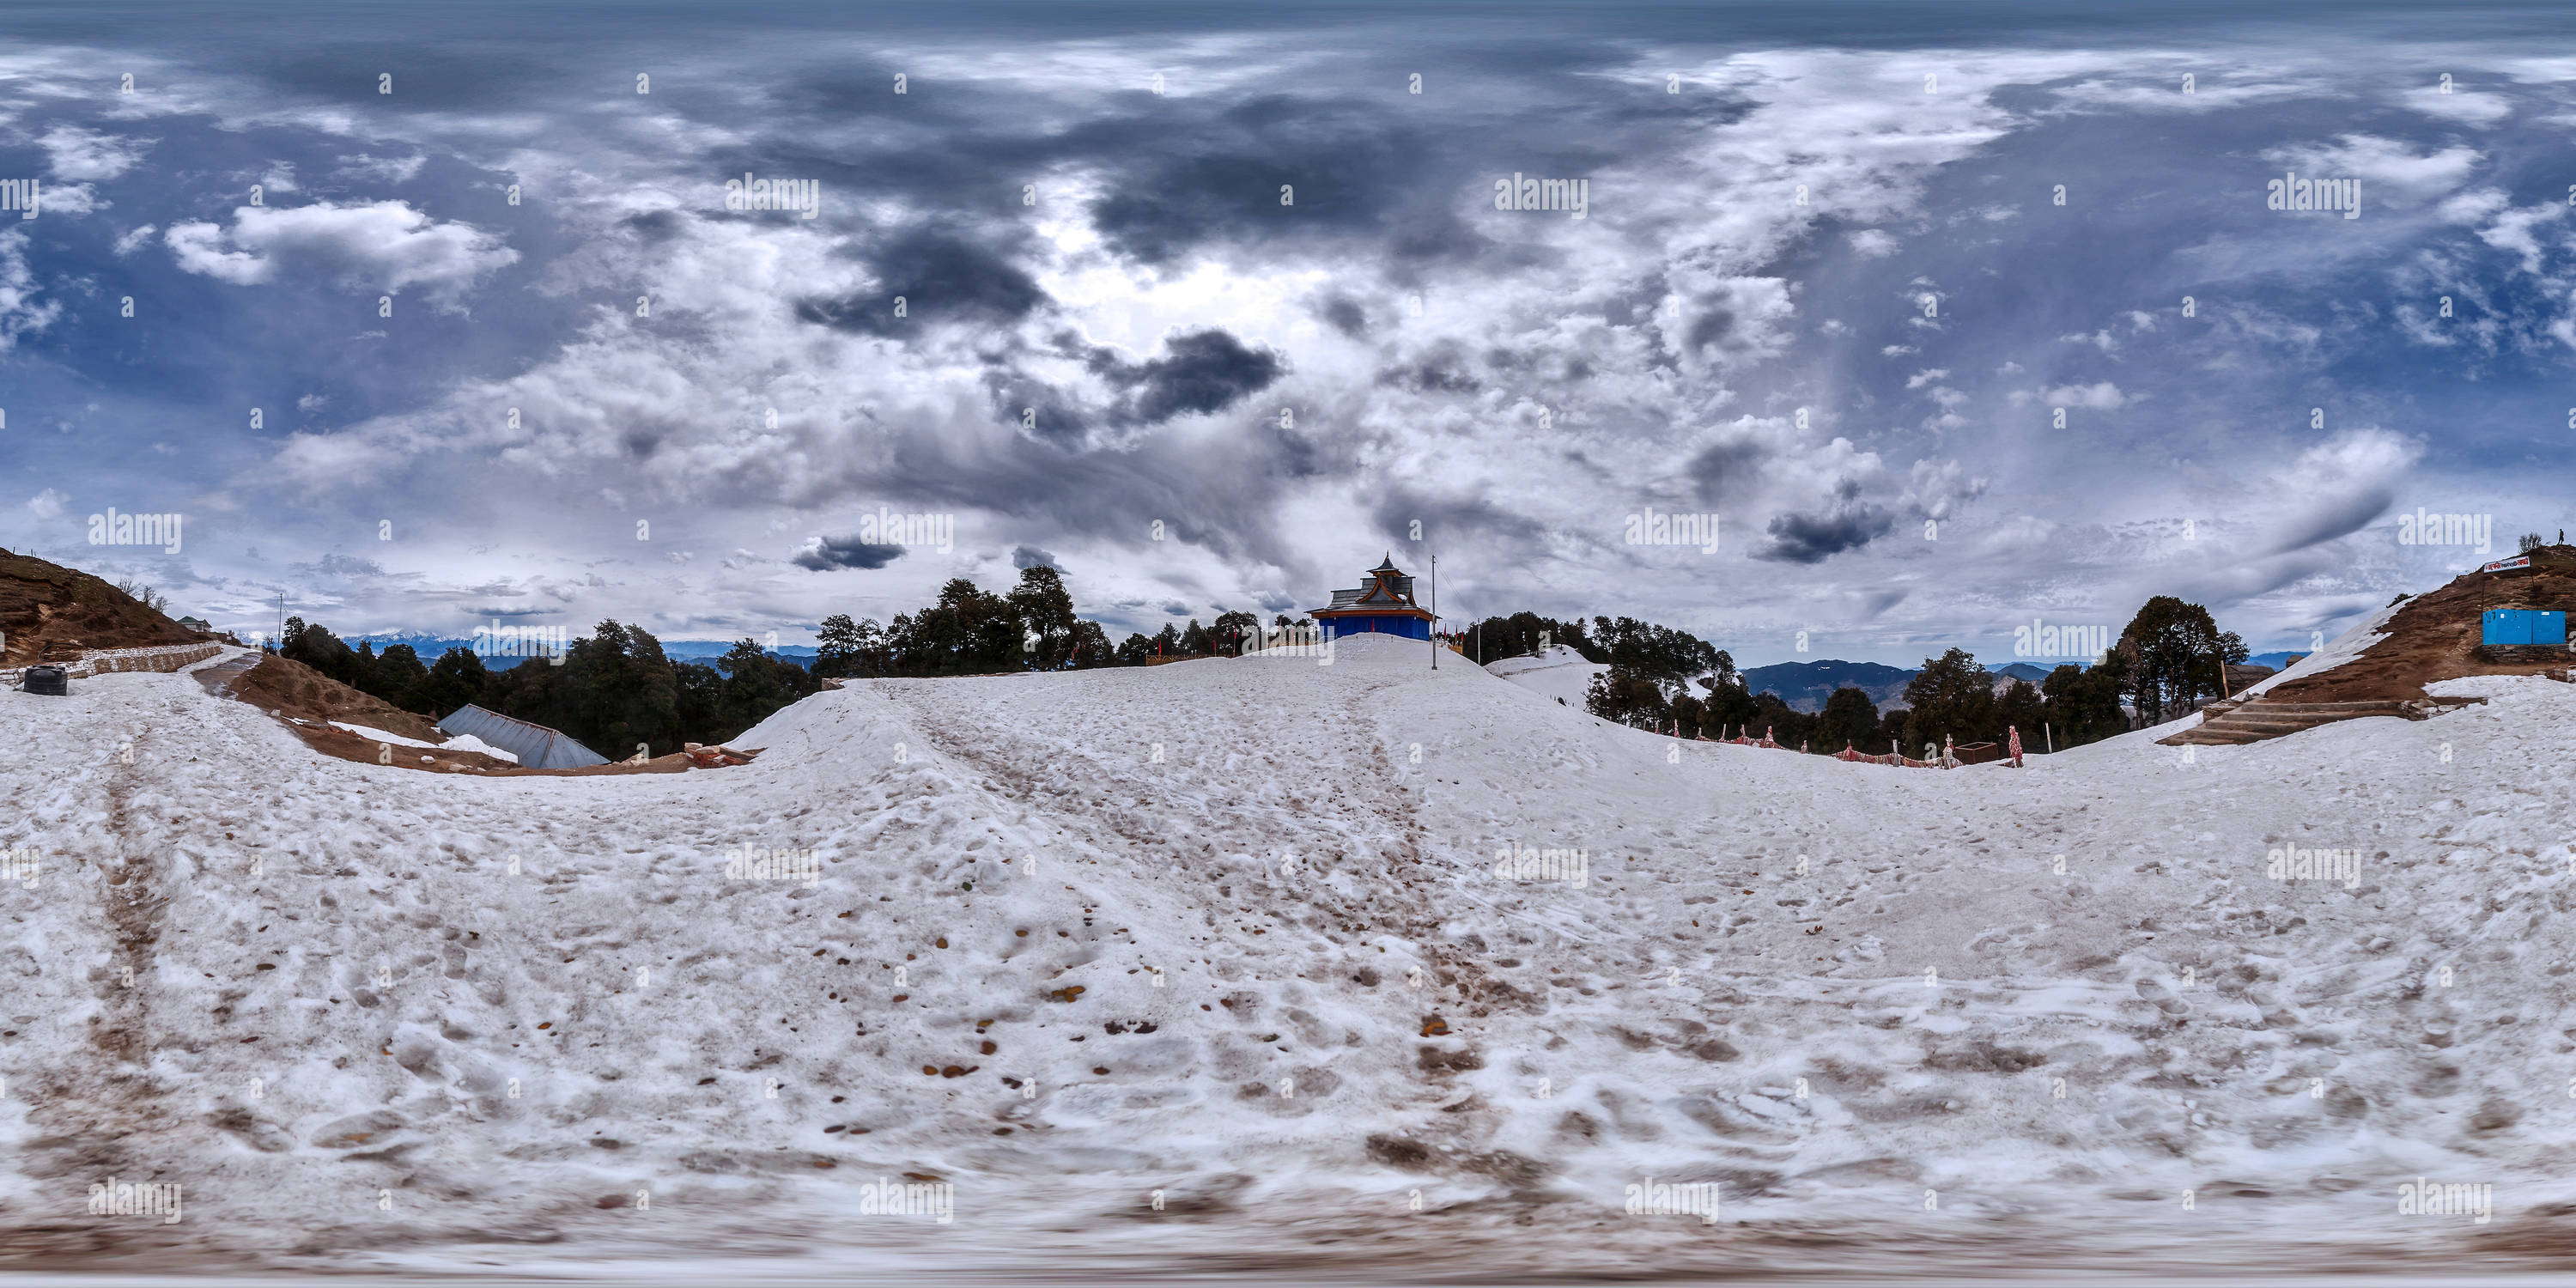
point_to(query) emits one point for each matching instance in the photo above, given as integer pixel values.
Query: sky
(1951, 319)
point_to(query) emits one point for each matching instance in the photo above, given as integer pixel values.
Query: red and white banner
(2521, 561)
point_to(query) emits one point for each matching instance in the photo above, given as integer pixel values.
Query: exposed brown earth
(53, 614)
(2434, 636)
(306, 702)
(288, 688)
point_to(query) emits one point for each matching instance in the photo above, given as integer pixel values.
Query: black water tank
(48, 679)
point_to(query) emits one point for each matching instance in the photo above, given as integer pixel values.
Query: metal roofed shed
(536, 746)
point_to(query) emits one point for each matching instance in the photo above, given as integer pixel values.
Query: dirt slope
(2434, 636)
(52, 613)
(294, 689)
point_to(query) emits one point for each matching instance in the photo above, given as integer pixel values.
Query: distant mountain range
(429, 647)
(1806, 685)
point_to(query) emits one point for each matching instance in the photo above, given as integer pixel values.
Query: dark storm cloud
(1027, 557)
(1442, 370)
(829, 553)
(1222, 494)
(1203, 372)
(1727, 471)
(1038, 408)
(655, 225)
(1813, 538)
(2337, 517)
(1351, 172)
(941, 277)
(1468, 522)
(1345, 315)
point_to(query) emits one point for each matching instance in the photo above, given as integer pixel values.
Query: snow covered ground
(1209, 966)
(1560, 672)
(461, 742)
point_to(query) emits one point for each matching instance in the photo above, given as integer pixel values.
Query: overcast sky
(1204, 305)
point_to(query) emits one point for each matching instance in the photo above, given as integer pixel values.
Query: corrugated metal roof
(536, 746)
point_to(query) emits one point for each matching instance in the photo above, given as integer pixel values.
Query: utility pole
(1435, 612)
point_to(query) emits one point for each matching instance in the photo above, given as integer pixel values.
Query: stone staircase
(2244, 720)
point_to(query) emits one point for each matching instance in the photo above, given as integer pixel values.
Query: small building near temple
(1383, 605)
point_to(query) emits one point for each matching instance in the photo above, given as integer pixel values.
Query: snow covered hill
(1560, 672)
(1214, 959)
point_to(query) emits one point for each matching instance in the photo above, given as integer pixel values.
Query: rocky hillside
(53, 613)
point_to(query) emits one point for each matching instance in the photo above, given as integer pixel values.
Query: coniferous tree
(2172, 653)
(1045, 612)
(1950, 698)
(2082, 704)
(1849, 718)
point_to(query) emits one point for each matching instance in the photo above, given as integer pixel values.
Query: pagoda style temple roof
(1388, 591)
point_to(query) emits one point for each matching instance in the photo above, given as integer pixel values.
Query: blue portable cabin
(1382, 606)
(2523, 626)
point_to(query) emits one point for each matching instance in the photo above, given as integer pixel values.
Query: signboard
(2521, 561)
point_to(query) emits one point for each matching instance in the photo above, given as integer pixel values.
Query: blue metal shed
(2523, 626)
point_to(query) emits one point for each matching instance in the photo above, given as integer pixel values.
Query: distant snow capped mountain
(429, 646)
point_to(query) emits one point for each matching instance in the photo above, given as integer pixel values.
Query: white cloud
(2098, 397)
(1897, 350)
(47, 504)
(1926, 376)
(75, 153)
(384, 245)
(70, 199)
(382, 169)
(2465, 106)
(1870, 243)
(2385, 166)
(20, 312)
(135, 240)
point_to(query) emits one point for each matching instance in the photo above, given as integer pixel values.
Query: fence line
(165, 657)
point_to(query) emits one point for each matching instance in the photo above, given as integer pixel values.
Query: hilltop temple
(1383, 606)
